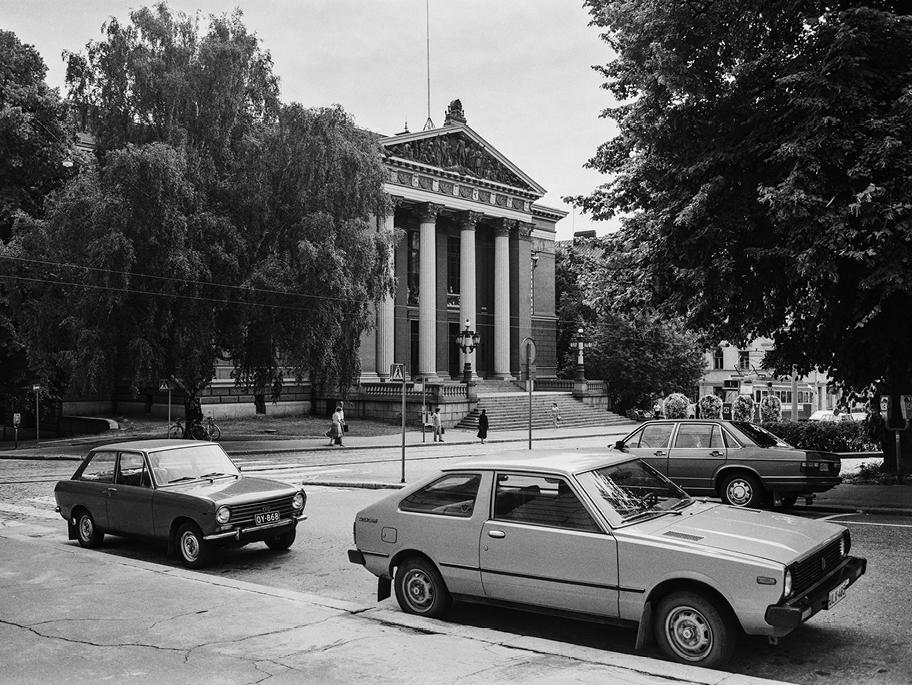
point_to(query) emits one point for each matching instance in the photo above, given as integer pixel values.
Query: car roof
(149, 445)
(564, 462)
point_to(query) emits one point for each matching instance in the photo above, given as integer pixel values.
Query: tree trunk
(259, 400)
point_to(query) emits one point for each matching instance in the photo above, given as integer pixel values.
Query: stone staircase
(509, 410)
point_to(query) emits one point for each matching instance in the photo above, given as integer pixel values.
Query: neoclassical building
(475, 246)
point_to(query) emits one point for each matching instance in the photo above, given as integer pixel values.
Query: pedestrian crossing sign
(396, 372)
(164, 384)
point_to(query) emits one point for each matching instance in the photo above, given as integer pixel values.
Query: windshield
(632, 490)
(191, 463)
(760, 436)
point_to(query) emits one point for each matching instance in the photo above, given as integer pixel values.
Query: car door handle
(111, 491)
(716, 453)
(660, 453)
(496, 534)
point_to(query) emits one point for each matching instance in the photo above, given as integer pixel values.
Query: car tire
(742, 490)
(281, 542)
(420, 588)
(193, 550)
(87, 533)
(692, 629)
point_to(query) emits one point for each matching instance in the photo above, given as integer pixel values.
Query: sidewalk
(844, 498)
(86, 617)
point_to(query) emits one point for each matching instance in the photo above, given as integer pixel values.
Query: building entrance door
(453, 347)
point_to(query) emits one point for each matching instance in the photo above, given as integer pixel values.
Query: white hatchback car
(605, 538)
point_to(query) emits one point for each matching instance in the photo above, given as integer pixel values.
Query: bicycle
(176, 430)
(198, 430)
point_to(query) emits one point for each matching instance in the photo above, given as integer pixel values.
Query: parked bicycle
(206, 429)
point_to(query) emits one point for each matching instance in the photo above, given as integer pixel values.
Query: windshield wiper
(181, 479)
(214, 474)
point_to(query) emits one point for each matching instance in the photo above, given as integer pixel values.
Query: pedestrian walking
(335, 432)
(438, 427)
(555, 414)
(483, 425)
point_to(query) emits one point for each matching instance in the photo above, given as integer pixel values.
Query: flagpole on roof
(428, 125)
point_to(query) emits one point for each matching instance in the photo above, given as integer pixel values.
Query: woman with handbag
(338, 421)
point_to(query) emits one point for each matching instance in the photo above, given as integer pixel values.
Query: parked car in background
(740, 462)
(187, 493)
(605, 538)
(831, 416)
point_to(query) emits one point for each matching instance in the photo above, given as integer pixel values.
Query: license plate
(837, 593)
(265, 517)
(824, 466)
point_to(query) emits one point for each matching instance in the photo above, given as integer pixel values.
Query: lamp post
(581, 344)
(36, 388)
(468, 340)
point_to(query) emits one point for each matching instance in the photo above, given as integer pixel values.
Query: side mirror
(619, 445)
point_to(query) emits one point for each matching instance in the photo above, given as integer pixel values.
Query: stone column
(385, 308)
(427, 293)
(502, 299)
(467, 301)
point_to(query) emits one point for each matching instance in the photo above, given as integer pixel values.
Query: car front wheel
(742, 490)
(693, 629)
(420, 588)
(283, 541)
(87, 533)
(194, 551)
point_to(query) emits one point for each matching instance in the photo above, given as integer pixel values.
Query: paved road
(864, 640)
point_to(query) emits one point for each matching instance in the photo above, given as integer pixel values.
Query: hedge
(823, 436)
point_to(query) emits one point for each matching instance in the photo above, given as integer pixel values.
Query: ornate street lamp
(467, 340)
(581, 344)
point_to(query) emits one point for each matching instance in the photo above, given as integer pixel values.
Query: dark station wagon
(744, 464)
(185, 492)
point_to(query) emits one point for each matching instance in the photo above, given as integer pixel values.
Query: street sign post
(396, 376)
(165, 384)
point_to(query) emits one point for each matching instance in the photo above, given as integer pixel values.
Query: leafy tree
(763, 171)
(34, 145)
(215, 222)
(638, 353)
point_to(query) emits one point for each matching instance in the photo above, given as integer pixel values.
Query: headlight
(845, 544)
(298, 501)
(223, 514)
(787, 585)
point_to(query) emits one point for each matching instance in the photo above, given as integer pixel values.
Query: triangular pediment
(458, 149)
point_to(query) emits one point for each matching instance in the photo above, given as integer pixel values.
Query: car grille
(242, 514)
(811, 569)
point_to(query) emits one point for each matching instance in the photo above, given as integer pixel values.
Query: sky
(522, 69)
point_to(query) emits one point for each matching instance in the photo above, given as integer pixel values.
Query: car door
(696, 453)
(90, 487)
(650, 444)
(130, 497)
(543, 547)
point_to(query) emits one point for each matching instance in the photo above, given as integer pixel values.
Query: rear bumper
(801, 486)
(795, 611)
(255, 533)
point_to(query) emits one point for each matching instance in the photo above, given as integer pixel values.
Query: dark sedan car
(187, 493)
(744, 464)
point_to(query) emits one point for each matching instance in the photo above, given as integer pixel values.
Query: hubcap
(85, 528)
(189, 546)
(739, 492)
(419, 590)
(689, 633)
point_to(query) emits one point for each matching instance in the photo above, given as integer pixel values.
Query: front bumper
(255, 533)
(791, 613)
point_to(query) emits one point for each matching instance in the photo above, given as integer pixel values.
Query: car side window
(657, 435)
(694, 435)
(452, 495)
(730, 442)
(100, 468)
(716, 442)
(132, 470)
(540, 501)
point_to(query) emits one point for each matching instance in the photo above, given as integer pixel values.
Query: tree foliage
(640, 354)
(763, 170)
(217, 221)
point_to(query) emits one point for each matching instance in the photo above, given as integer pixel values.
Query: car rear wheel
(87, 533)
(742, 490)
(692, 629)
(420, 588)
(283, 541)
(194, 551)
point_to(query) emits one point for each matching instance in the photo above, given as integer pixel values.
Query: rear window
(451, 495)
(760, 436)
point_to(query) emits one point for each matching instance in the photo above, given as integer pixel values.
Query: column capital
(428, 211)
(524, 230)
(469, 220)
(502, 227)
(396, 201)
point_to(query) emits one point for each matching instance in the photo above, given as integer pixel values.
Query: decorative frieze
(425, 182)
(404, 177)
(500, 200)
(446, 187)
(484, 196)
(465, 192)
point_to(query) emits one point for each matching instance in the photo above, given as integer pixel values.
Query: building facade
(473, 246)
